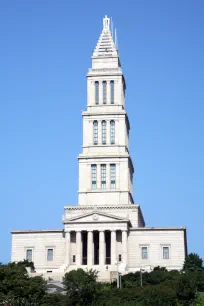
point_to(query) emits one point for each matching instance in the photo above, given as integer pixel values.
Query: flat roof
(158, 228)
(37, 231)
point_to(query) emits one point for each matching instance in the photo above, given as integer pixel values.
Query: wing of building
(106, 230)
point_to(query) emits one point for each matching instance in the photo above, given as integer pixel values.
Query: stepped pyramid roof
(105, 46)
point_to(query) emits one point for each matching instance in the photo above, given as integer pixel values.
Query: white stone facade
(106, 230)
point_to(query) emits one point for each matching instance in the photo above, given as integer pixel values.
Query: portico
(96, 247)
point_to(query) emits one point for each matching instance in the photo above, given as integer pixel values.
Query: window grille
(104, 132)
(103, 176)
(112, 176)
(95, 132)
(165, 252)
(112, 92)
(49, 254)
(96, 92)
(144, 253)
(112, 132)
(29, 254)
(93, 175)
(104, 92)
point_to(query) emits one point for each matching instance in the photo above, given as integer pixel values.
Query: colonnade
(100, 243)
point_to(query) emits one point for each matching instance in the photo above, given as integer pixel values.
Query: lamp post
(118, 280)
(141, 270)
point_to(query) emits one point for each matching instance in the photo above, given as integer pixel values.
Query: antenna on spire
(112, 27)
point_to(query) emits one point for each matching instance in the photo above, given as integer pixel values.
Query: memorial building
(106, 231)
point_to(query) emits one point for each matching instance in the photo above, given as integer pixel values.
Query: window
(112, 92)
(112, 132)
(119, 257)
(165, 252)
(96, 92)
(104, 92)
(93, 175)
(29, 254)
(144, 253)
(103, 176)
(112, 176)
(95, 132)
(49, 254)
(73, 258)
(103, 132)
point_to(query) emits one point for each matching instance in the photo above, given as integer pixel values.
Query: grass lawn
(202, 298)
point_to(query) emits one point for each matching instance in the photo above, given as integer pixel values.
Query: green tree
(186, 290)
(193, 262)
(81, 287)
(15, 285)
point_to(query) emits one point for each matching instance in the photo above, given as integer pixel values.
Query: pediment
(96, 216)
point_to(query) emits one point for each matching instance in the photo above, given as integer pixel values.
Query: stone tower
(105, 166)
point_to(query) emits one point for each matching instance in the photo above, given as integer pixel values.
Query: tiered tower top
(105, 45)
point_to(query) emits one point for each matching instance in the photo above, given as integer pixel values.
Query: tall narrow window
(103, 176)
(93, 176)
(96, 92)
(103, 132)
(144, 253)
(112, 176)
(165, 252)
(112, 92)
(112, 132)
(104, 92)
(49, 254)
(29, 254)
(95, 132)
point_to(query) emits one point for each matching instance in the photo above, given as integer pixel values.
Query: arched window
(112, 92)
(112, 132)
(104, 92)
(95, 132)
(96, 92)
(103, 132)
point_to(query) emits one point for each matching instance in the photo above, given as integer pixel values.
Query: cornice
(36, 231)
(158, 229)
(103, 207)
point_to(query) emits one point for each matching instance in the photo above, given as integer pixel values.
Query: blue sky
(45, 53)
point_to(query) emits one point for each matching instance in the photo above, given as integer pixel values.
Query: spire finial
(106, 23)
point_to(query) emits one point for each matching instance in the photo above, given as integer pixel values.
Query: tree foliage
(81, 286)
(15, 285)
(193, 262)
(160, 287)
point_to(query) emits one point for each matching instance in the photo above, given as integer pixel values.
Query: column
(78, 248)
(101, 248)
(90, 248)
(67, 246)
(124, 247)
(113, 247)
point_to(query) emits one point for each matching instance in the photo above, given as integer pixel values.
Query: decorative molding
(132, 207)
(95, 216)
